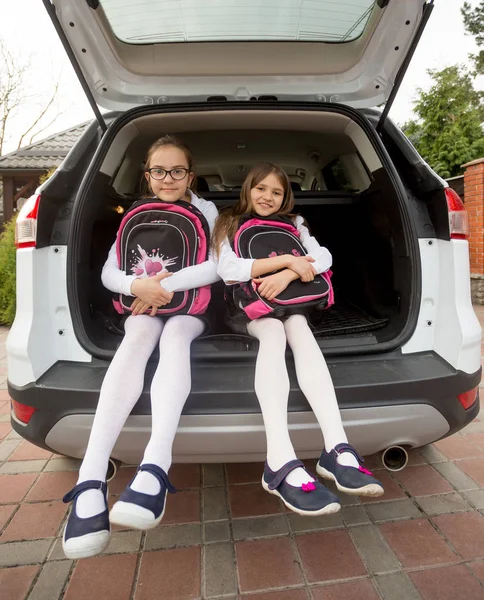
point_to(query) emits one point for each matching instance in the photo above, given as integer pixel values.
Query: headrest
(202, 185)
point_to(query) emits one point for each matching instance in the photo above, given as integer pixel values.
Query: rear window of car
(155, 21)
(337, 178)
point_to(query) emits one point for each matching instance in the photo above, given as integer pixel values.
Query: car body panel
(242, 437)
(447, 322)
(42, 332)
(223, 392)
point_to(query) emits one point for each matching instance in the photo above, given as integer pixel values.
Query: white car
(290, 82)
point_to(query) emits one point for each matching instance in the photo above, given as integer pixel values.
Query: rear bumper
(384, 400)
(241, 438)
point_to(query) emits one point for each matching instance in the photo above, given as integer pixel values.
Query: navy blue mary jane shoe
(84, 537)
(356, 481)
(142, 511)
(310, 499)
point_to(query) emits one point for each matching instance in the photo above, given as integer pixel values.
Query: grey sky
(27, 31)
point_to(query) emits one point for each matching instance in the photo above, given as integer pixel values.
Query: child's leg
(272, 389)
(315, 382)
(120, 390)
(169, 391)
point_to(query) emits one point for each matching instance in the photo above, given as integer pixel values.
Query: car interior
(340, 188)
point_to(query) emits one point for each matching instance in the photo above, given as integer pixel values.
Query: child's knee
(142, 327)
(267, 330)
(184, 326)
(295, 323)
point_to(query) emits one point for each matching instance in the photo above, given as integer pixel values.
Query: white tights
(272, 389)
(121, 389)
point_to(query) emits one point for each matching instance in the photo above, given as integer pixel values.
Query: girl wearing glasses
(169, 173)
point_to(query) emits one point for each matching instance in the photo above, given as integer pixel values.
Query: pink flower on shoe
(308, 487)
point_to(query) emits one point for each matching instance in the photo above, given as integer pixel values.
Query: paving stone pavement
(224, 537)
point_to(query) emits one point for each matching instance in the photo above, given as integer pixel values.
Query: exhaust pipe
(112, 469)
(394, 458)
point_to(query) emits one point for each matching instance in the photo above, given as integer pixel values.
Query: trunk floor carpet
(344, 319)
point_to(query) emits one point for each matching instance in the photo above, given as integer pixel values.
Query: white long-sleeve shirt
(233, 269)
(205, 273)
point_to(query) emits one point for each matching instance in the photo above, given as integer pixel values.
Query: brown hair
(228, 221)
(175, 142)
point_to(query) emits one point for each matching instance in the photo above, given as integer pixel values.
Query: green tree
(448, 129)
(7, 274)
(474, 25)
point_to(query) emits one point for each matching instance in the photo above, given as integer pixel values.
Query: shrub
(7, 273)
(43, 178)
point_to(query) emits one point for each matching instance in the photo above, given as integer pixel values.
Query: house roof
(45, 154)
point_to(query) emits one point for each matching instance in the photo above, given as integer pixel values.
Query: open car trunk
(344, 186)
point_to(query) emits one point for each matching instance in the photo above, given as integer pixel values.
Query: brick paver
(270, 563)
(357, 590)
(447, 584)
(223, 537)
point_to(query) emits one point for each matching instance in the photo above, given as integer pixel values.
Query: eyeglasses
(160, 174)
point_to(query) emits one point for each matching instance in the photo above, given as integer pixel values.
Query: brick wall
(474, 197)
(474, 194)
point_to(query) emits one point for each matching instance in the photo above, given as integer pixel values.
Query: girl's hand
(271, 286)
(302, 266)
(150, 291)
(139, 307)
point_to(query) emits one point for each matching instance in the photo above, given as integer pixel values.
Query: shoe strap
(340, 448)
(160, 475)
(91, 484)
(283, 472)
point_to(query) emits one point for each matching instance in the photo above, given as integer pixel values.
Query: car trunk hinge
(77, 68)
(427, 10)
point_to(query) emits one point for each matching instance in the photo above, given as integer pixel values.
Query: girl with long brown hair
(267, 192)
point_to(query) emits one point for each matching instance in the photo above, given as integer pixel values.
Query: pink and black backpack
(156, 236)
(264, 237)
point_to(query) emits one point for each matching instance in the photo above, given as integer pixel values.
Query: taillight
(22, 411)
(458, 223)
(467, 399)
(26, 224)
